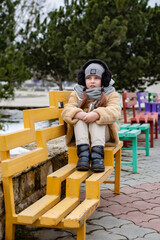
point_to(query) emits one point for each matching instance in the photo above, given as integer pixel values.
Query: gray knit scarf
(94, 93)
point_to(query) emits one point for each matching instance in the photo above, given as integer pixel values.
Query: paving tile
(137, 217)
(103, 235)
(141, 205)
(117, 209)
(153, 224)
(155, 200)
(147, 186)
(146, 195)
(150, 236)
(132, 231)
(107, 222)
(155, 211)
(123, 199)
(106, 194)
(106, 203)
(129, 190)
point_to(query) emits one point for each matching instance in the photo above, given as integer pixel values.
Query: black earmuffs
(106, 76)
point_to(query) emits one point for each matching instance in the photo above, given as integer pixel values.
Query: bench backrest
(11, 166)
(129, 100)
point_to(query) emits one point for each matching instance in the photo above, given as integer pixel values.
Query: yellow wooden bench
(50, 211)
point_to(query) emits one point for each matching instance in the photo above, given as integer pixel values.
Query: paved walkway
(25, 99)
(132, 215)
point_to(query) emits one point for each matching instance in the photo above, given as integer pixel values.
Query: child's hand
(80, 115)
(91, 117)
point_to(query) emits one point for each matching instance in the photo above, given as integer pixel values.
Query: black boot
(97, 159)
(83, 153)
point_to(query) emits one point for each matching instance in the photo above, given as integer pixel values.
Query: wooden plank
(72, 155)
(123, 132)
(58, 96)
(114, 149)
(80, 214)
(53, 132)
(43, 114)
(57, 177)
(63, 172)
(73, 183)
(134, 133)
(33, 212)
(101, 176)
(124, 126)
(18, 164)
(134, 126)
(94, 181)
(144, 126)
(16, 139)
(58, 212)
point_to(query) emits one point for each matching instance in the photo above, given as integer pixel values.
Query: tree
(152, 43)
(12, 69)
(114, 31)
(44, 47)
(120, 32)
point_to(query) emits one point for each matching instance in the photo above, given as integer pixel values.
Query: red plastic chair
(130, 100)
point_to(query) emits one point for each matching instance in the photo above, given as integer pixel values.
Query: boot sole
(82, 168)
(96, 170)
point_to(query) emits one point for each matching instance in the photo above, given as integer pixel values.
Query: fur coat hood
(108, 115)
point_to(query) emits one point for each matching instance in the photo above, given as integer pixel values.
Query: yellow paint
(49, 211)
(10, 167)
(80, 214)
(57, 213)
(73, 183)
(81, 232)
(33, 212)
(72, 155)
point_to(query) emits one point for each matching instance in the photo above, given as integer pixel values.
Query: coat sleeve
(112, 112)
(70, 109)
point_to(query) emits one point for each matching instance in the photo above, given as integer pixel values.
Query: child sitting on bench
(91, 114)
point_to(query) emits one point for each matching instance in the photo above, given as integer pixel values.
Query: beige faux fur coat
(108, 115)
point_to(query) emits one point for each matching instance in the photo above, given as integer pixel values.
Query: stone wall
(30, 185)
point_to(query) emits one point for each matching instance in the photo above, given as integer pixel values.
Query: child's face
(93, 81)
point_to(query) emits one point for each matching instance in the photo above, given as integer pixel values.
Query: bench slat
(134, 133)
(33, 212)
(18, 164)
(94, 181)
(134, 126)
(123, 132)
(58, 212)
(80, 214)
(63, 171)
(16, 139)
(125, 125)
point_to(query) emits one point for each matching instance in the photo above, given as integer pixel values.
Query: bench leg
(151, 133)
(9, 230)
(81, 232)
(134, 158)
(147, 141)
(117, 172)
(156, 130)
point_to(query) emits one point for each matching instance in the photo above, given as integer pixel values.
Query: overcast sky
(52, 4)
